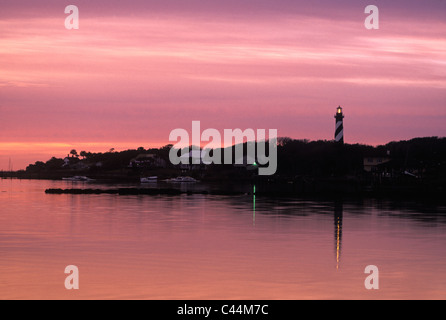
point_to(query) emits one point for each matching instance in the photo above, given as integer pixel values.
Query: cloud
(340, 9)
(134, 71)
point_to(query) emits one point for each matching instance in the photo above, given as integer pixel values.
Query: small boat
(149, 179)
(182, 179)
(78, 178)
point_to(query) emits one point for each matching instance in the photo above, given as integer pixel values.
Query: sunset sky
(135, 70)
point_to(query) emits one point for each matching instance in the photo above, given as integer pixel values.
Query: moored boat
(182, 179)
(149, 179)
(78, 178)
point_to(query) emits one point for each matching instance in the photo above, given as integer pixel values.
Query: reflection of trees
(428, 211)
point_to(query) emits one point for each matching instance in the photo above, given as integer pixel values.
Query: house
(374, 164)
(66, 162)
(192, 160)
(70, 162)
(149, 160)
(246, 162)
(80, 166)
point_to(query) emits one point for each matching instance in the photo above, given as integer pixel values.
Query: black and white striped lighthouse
(339, 128)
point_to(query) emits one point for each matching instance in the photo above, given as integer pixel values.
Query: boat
(78, 178)
(182, 179)
(149, 179)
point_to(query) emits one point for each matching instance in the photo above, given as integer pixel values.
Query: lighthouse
(339, 127)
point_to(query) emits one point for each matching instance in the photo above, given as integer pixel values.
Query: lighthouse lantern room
(339, 126)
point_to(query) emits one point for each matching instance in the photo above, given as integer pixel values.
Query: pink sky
(134, 71)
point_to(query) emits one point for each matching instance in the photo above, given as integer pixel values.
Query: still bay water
(215, 247)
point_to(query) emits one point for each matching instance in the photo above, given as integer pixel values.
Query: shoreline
(273, 194)
(275, 187)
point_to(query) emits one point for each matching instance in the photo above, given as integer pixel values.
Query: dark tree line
(295, 158)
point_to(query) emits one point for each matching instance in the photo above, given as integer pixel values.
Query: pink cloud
(134, 79)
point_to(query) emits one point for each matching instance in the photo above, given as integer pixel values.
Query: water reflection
(218, 247)
(254, 205)
(338, 211)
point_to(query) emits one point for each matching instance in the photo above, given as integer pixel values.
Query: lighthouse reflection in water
(338, 208)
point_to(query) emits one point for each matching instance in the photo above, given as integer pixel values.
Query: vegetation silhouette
(416, 166)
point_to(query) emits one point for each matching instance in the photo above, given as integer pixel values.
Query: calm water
(215, 247)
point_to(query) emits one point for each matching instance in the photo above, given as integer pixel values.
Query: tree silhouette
(74, 153)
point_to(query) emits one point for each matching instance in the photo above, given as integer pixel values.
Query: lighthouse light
(339, 128)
